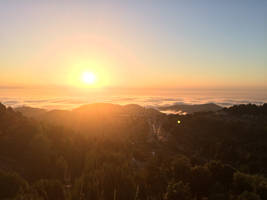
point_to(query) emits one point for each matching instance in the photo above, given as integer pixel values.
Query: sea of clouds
(69, 102)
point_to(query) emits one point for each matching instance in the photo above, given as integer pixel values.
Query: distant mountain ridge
(30, 111)
(88, 109)
(115, 108)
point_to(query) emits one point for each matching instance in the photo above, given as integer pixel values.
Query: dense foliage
(111, 152)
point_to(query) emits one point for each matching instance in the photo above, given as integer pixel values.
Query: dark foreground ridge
(107, 151)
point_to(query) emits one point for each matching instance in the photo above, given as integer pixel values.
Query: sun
(88, 78)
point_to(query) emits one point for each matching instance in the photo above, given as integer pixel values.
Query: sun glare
(88, 78)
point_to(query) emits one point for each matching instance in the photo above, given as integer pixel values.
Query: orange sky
(126, 45)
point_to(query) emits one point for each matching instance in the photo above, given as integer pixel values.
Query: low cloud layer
(149, 101)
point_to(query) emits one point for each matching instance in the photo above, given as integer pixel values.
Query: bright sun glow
(88, 78)
(85, 74)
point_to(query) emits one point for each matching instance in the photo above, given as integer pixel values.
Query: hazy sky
(141, 44)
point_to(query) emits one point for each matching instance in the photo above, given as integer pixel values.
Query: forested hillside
(113, 152)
